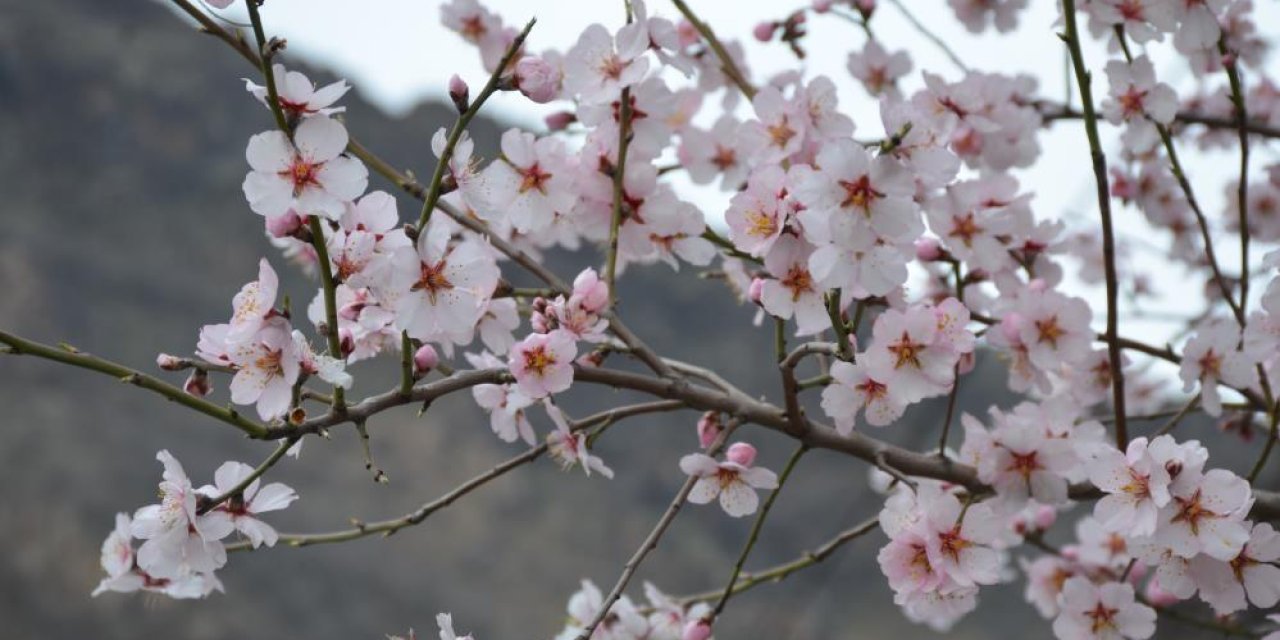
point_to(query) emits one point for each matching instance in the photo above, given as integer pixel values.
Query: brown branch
(779, 572)
(651, 541)
(727, 64)
(67, 354)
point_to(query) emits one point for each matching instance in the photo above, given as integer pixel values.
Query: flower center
(538, 360)
(433, 280)
(302, 174)
(858, 193)
(798, 281)
(1049, 331)
(534, 178)
(906, 351)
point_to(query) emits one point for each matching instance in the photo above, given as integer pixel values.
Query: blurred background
(124, 230)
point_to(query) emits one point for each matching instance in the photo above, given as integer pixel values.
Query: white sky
(397, 53)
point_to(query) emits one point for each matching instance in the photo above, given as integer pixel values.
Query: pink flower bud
(560, 120)
(928, 249)
(351, 311)
(1071, 553)
(537, 79)
(764, 31)
(741, 453)
(1045, 517)
(822, 6)
(967, 362)
(425, 359)
(284, 226)
(866, 7)
(1011, 327)
(459, 93)
(755, 290)
(698, 629)
(197, 384)
(168, 362)
(687, 34)
(1137, 573)
(709, 428)
(1157, 596)
(346, 341)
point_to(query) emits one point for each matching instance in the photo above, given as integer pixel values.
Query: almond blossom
(1136, 483)
(599, 66)
(1212, 356)
(530, 184)
(267, 366)
(542, 363)
(245, 506)
(734, 480)
(1251, 577)
(308, 174)
(793, 291)
(298, 96)
(440, 288)
(178, 540)
(867, 386)
(1104, 612)
(1207, 516)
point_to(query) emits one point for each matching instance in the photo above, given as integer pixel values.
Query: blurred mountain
(124, 230)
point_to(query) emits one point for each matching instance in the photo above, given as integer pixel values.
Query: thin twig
(1083, 79)
(67, 354)
(651, 541)
(774, 574)
(755, 532)
(931, 36)
(464, 118)
(281, 449)
(727, 64)
(619, 191)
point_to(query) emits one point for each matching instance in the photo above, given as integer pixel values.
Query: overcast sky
(397, 53)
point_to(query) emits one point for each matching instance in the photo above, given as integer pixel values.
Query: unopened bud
(698, 629)
(687, 34)
(169, 363)
(346, 342)
(928, 249)
(755, 290)
(297, 416)
(822, 6)
(591, 359)
(709, 428)
(1157, 596)
(459, 93)
(764, 31)
(1045, 517)
(537, 79)
(425, 359)
(865, 7)
(560, 120)
(967, 362)
(197, 384)
(741, 453)
(284, 225)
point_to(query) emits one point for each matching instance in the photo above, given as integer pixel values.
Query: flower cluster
(182, 535)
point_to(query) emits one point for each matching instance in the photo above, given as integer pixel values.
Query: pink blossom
(178, 542)
(569, 447)
(1136, 484)
(309, 175)
(1106, 611)
(267, 365)
(1249, 578)
(298, 96)
(530, 184)
(793, 291)
(537, 79)
(877, 69)
(598, 67)
(542, 363)
(245, 506)
(867, 386)
(440, 289)
(1206, 516)
(1212, 356)
(734, 480)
